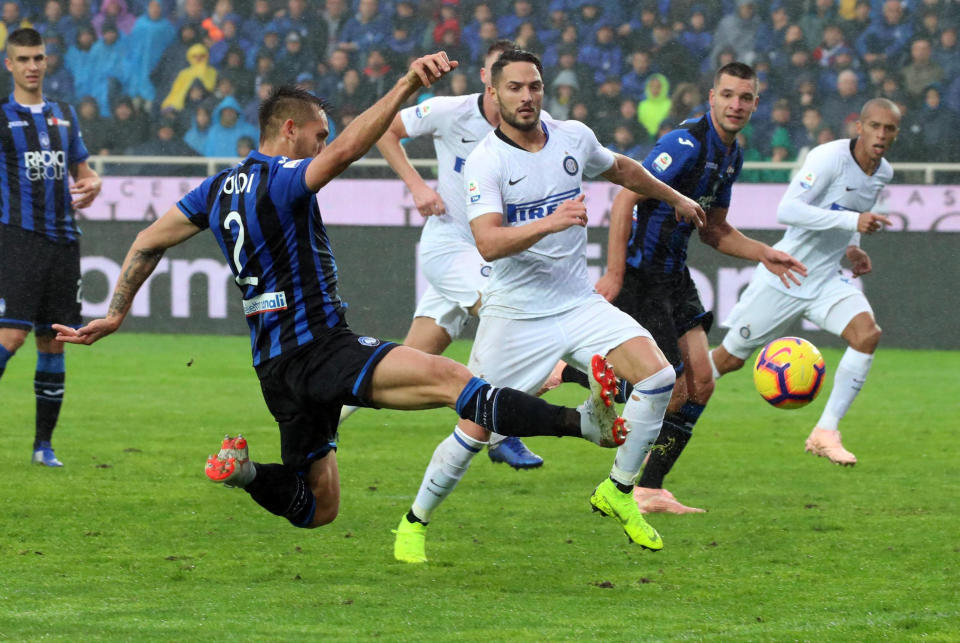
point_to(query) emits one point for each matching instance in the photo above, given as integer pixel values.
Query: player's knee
(867, 340)
(325, 511)
(13, 341)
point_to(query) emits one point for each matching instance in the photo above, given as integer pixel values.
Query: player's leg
(852, 318)
(49, 383)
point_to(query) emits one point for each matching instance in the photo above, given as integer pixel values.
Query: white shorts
(520, 353)
(456, 281)
(764, 313)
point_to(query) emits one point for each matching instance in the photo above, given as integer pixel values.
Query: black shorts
(39, 281)
(667, 305)
(306, 389)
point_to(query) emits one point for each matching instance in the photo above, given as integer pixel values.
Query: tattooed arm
(169, 230)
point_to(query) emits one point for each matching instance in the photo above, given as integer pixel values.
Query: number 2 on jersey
(234, 217)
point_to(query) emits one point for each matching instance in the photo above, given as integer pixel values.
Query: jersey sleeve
(819, 171)
(482, 179)
(289, 182)
(194, 204)
(596, 158)
(675, 153)
(427, 117)
(78, 151)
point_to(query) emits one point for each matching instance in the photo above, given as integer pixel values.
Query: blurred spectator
(831, 43)
(164, 142)
(269, 46)
(114, 11)
(930, 128)
(686, 102)
(781, 120)
(262, 71)
(604, 56)
(227, 129)
(255, 24)
(580, 112)
(590, 19)
(635, 81)
(252, 108)
(569, 42)
(750, 153)
(841, 60)
(922, 71)
(855, 26)
(799, 68)
(353, 96)
(245, 145)
(845, 101)
(458, 84)
(151, 35)
(488, 36)
(638, 31)
(402, 45)
(334, 15)
(231, 40)
(952, 98)
(83, 66)
(781, 149)
(377, 74)
(196, 136)
(679, 11)
(127, 127)
(605, 107)
(108, 55)
(198, 68)
(771, 35)
(508, 24)
(628, 118)
(811, 124)
(293, 60)
(193, 12)
(450, 43)
(94, 127)
(655, 106)
(695, 36)
(213, 24)
(927, 24)
(58, 81)
(947, 53)
(470, 34)
(526, 38)
(234, 70)
(302, 20)
(887, 39)
(328, 83)
(549, 33)
(11, 19)
(738, 31)
(52, 15)
(563, 92)
(367, 29)
(624, 143)
(668, 54)
(171, 62)
(876, 75)
(815, 22)
(78, 15)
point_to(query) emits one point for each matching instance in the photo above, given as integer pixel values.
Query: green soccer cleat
(610, 501)
(410, 544)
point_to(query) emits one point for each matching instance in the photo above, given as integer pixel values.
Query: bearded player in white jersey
(527, 212)
(826, 208)
(448, 256)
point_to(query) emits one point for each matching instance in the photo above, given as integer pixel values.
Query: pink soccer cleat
(826, 444)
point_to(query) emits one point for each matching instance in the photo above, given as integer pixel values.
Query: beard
(517, 123)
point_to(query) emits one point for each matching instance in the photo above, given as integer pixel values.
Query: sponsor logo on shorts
(368, 341)
(745, 331)
(662, 162)
(266, 303)
(570, 165)
(807, 180)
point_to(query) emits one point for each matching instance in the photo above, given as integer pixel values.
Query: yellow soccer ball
(789, 372)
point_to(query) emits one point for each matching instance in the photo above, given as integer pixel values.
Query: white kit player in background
(526, 208)
(448, 257)
(826, 208)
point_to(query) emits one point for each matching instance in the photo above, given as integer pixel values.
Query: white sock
(848, 379)
(449, 463)
(644, 416)
(713, 366)
(346, 412)
(495, 439)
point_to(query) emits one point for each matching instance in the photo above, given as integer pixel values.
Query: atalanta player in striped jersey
(647, 274)
(264, 214)
(41, 149)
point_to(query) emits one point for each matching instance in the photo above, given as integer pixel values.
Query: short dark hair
(737, 70)
(287, 101)
(501, 45)
(25, 37)
(513, 56)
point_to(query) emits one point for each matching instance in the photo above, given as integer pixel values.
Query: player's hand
(428, 202)
(90, 333)
(870, 222)
(609, 285)
(85, 190)
(860, 262)
(429, 69)
(783, 265)
(690, 211)
(568, 214)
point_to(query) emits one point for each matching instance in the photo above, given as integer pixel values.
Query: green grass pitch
(130, 542)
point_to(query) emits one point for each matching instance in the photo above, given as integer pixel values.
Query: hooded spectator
(128, 128)
(196, 137)
(655, 107)
(115, 12)
(563, 92)
(58, 81)
(739, 31)
(198, 68)
(227, 129)
(95, 129)
(152, 33)
(171, 62)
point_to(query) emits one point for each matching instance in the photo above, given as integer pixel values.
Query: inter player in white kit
(448, 255)
(526, 209)
(826, 208)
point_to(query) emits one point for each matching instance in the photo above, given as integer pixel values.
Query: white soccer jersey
(549, 277)
(821, 207)
(457, 125)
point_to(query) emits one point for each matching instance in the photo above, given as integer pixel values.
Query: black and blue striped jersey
(269, 228)
(37, 150)
(694, 161)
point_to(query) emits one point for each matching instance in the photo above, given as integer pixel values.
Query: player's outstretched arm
(633, 176)
(142, 258)
(621, 220)
(428, 202)
(495, 241)
(86, 185)
(360, 135)
(719, 234)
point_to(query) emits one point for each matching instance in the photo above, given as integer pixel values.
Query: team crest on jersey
(807, 180)
(422, 110)
(485, 271)
(745, 331)
(368, 341)
(474, 191)
(570, 165)
(662, 162)
(44, 139)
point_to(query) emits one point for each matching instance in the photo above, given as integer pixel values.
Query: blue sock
(48, 386)
(5, 356)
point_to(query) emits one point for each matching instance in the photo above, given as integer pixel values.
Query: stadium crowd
(184, 77)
